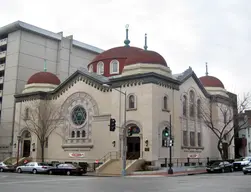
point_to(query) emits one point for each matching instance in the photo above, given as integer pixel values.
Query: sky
(185, 32)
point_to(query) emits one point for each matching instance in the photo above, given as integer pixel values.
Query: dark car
(247, 169)
(6, 168)
(220, 167)
(67, 169)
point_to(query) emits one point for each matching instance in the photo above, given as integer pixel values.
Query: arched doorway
(26, 137)
(133, 143)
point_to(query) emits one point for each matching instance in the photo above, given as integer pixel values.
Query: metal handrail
(109, 156)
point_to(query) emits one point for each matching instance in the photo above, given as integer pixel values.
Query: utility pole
(124, 136)
(170, 170)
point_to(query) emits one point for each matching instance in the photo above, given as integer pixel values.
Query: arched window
(26, 113)
(83, 133)
(191, 103)
(132, 103)
(100, 68)
(73, 134)
(27, 134)
(198, 108)
(114, 67)
(185, 105)
(91, 68)
(78, 133)
(165, 102)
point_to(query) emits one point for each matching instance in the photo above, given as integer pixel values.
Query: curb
(169, 175)
(177, 174)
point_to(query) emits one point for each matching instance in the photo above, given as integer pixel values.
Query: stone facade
(135, 87)
(101, 103)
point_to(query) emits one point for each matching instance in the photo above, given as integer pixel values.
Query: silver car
(4, 167)
(34, 167)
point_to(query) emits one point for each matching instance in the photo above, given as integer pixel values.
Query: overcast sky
(185, 32)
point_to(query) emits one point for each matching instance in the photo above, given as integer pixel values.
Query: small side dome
(44, 78)
(210, 81)
(148, 57)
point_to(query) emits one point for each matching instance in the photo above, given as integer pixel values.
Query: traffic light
(165, 132)
(112, 124)
(129, 131)
(166, 142)
(171, 142)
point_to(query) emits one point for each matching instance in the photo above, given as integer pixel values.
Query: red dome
(117, 53)
(144, 56)
(210, 81)
(44, 77)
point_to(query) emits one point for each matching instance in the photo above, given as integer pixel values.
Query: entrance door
(133, 148)
(26, 148)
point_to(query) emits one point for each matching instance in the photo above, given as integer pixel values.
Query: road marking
(46, 180)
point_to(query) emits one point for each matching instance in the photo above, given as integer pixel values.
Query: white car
(238, 165)
(34, 167)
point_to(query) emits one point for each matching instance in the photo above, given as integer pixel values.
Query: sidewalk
(164, 172)
(178, 171)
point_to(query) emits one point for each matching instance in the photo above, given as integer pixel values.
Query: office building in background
(24, 49)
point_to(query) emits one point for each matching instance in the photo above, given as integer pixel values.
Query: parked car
(5, 168)
(34, 167)
(238, 165)
(67, 169)
(220, 167)
(246, 169)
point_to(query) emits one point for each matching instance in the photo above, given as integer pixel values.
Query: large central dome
(143, 56)
(117, 60)
(117, 53)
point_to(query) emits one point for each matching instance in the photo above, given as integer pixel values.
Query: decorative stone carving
(87, 108)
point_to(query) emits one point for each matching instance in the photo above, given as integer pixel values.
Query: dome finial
(206, 70)
(45, 67)
(145, 47)
(127, 41)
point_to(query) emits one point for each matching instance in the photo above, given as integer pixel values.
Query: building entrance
(133, 148)
(26, 137)
(26, 148)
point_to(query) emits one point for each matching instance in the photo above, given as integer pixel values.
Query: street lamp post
(124, 145)
(18, 147)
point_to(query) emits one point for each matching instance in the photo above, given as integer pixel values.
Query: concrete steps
(114, 167)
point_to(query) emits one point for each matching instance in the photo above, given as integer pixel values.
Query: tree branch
(224, 123)
(44, 117)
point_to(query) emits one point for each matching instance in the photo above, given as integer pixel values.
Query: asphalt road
(229, 182)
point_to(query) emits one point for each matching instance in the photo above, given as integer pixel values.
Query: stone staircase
(112, 165)
(13, 160)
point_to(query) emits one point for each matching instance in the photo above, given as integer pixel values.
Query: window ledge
(131, 109)
(165, 110)
(114, 73)
(71, 146)
(191, 147)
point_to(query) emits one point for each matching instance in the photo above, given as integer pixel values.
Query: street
(229, 182)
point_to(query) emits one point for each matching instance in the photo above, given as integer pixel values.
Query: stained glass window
(78, 115)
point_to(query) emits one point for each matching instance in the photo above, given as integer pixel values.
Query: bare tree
(229, 120)
(42, 117)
